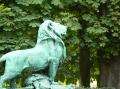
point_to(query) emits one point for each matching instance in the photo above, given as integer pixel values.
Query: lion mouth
(62, 35)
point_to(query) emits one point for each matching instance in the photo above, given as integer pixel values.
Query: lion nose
(64, 35)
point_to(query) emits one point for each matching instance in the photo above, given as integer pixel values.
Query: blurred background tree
(93, 41)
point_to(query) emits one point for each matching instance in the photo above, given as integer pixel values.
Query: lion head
(57, 28)
(50, 29)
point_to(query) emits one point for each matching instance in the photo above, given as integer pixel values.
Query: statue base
(39, 81)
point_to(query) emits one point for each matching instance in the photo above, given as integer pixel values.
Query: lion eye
(50, 24)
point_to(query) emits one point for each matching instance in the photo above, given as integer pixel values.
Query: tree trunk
(84, 63)
(109, 71)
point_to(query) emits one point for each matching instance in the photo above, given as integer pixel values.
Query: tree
(100, 34)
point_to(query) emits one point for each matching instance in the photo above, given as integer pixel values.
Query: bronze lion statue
(48, 51)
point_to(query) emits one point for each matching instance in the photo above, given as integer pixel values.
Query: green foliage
(29, 2)
(56, 2)
(97, 35)
(3, 8)
(69, 19)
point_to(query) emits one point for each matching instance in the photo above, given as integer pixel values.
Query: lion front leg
(53, 66)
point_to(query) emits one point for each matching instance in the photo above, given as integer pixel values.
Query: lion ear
(50, 25)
